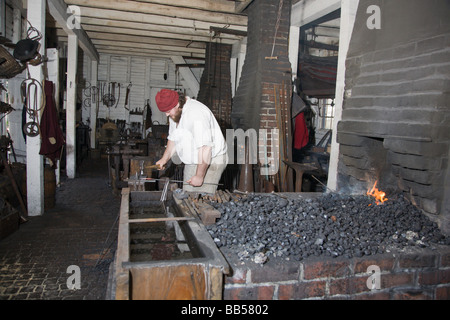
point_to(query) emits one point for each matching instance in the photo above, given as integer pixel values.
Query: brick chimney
(253, 105)
(215, 83)
(266, 67)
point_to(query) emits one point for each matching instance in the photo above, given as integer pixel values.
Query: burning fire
(377, 194)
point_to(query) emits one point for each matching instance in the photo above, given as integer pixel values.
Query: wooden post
(348, 15)
(72, 59)
(35, 162)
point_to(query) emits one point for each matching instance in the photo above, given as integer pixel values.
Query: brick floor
(80, 230)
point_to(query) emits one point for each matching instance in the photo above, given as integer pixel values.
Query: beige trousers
(212, 177)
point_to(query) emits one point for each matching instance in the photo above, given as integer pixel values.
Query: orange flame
(377, 194)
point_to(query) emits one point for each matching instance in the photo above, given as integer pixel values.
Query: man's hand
(168, 153)
(161, 163)
(195, 181)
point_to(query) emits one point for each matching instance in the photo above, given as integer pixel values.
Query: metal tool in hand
(181, 181)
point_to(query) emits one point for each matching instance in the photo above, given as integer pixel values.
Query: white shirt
(197, 128)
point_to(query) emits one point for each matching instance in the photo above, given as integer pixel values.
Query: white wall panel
(146, 76)
(138, 81)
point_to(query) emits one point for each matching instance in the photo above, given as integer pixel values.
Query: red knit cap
(166, 99)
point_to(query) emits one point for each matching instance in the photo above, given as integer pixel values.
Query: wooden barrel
(49, 187)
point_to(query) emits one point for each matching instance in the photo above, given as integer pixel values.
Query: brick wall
(396, 116)
(215, 83)
(423, 275)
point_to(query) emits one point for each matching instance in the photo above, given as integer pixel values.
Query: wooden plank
(208, 213)
(145, 39)
(165, 48)
(218, 31)
(199, 32)
(183, 282)
(163, 10)
(216, 283)
(209, 5)
(177, 33)
(190, 65)
(154, 19)
(242, 5)
(160, 219)
(122, 252)
(139, 52)
(174, 48)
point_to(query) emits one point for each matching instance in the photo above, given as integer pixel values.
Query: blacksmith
(196, 138)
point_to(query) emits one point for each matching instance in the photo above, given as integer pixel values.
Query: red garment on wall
(52, 136)
(301, 135)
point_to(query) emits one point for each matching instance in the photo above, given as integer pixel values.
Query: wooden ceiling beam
(126, 26)
(111, 48)
(219, 31)
(242, 5)
(138, 39)
(163, 10)
(179, 50)
(153, 19)
(108, 49)
(134, 45)
(154, 34)
(148, 29)
(225, 6)
(190, 65)
(135, 41)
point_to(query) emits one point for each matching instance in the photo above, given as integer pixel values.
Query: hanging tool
(148, 116)
(127, 96)
(94, 93)
(113, 88)
(32, 128)
(108, 99)
(118, 96)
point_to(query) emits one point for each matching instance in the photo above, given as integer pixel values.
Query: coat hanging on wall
(51, 134)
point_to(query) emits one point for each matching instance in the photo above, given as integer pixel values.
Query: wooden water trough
(164, 252)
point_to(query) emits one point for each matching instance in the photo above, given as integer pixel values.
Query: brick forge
(394, 127)
(421, 275)
(381, 117)
(395, 124)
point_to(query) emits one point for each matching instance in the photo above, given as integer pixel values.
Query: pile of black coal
(331, 224)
